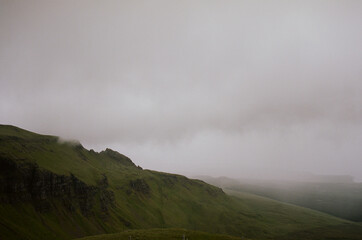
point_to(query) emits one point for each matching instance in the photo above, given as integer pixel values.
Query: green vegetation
(161, 234)
(341, 199)
(287, 215)
(59, 190)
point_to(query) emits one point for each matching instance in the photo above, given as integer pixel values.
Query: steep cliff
(23, 182)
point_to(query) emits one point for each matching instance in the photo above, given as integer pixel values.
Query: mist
(232, 88)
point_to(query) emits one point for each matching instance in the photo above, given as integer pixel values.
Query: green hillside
(340, 199)
(52, 189)
(161, 234)
(286, 215)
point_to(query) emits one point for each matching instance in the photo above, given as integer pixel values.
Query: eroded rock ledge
(26, 182)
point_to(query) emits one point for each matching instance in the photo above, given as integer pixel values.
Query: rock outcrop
(25, 182)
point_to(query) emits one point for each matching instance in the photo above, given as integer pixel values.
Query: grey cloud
(183, 84)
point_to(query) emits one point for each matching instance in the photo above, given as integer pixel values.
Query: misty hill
(52, 189)
(335, 195)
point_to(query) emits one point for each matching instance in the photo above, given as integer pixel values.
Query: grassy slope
(287, 216)
(161, 234)
(173, 200)
(340, 199)
(343, 200)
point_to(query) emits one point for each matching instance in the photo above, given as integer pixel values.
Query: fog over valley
(259, 89)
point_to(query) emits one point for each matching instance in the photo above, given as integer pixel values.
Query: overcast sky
(238, 88)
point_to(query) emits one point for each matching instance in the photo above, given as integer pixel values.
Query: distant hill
(332, 179)
(51, 189)
(335, 195)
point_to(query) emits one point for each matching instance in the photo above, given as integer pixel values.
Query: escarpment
(24, 182)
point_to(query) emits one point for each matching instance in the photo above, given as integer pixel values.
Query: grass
(293, 222)
(343, 200)
(161, 234)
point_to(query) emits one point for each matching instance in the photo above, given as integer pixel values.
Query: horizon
(276, 176)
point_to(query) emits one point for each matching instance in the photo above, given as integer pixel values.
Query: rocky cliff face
(26, 182)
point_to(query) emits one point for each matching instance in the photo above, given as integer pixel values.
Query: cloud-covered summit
(208, 87)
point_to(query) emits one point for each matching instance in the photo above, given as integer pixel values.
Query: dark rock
(118, 157)
(140, 186)
(26, 182)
